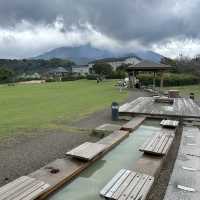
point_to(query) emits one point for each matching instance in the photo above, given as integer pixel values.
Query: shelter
(147, 66)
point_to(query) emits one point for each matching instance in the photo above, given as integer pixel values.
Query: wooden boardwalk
(23, 188)
(158, 144)
(127, 185)
(182, 108)
(87, 151)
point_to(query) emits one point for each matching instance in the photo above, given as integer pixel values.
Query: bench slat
(142, 195)
(138, 187)
(117, 184)
(112, 182)
(123, 186)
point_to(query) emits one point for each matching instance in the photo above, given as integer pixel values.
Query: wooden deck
(181, 108)
(87, 151)
(127, 185)
(158, 144)
(169, 123)
(23, 188)
(185, 179)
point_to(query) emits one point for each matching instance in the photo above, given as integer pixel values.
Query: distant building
(58, 72)
(80, 69)
(116, 62)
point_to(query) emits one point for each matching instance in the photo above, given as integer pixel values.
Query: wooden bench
(169, 123)
(87, 151)
(128, 184)
(23, 188)
(158, 144)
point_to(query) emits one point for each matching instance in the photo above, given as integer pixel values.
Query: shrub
(91, 77)
(170, 79)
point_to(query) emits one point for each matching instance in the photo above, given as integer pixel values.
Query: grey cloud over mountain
(126, 24)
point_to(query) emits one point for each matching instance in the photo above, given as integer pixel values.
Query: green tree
(102, 69)
(6, 74)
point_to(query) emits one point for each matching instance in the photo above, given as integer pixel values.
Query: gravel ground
(159, 189)
(24, 154)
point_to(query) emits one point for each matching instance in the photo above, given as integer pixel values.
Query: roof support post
(154, 80)
(161, 79)
(131, 79)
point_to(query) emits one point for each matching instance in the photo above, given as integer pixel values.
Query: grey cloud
(144, 21)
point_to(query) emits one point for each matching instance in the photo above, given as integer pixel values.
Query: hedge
(170, 79)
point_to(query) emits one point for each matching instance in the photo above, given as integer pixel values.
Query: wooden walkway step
(133, 124)
(158, 144)
(23, 188)
(169, 123)
(87, 151)
(128, 184)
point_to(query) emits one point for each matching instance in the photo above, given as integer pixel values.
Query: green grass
(186, 90)
(50, 106)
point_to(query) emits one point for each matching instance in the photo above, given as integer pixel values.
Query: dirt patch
(25, 154)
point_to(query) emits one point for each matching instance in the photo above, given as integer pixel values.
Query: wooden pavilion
(147, 66)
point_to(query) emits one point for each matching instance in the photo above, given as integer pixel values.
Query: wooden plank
(168, 145)
(133, 124)
(143, 194)
(136, 190)
(112, 182)
(87, 151)
(161, 141)
(13, 184)
(33, 192)
(16, 189)
(115, 187)
(130, 187)
(37, 192)
(23, 187)
(123, 186)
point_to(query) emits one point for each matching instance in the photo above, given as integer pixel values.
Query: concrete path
(185, 180)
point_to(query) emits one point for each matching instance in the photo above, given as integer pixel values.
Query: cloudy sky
(169, 27)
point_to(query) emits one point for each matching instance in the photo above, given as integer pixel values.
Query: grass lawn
(186, 90)
(36, 107)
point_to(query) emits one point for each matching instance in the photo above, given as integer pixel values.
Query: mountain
(80, 55)
(86, 53)
(149, 55)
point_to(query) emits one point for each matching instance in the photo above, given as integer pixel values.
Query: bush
(91, 77)
(69, 78)
(117, 75)
(170, 79)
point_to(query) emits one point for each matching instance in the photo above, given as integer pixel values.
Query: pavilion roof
(146, 65)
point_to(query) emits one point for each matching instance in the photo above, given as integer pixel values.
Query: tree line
(10, 68)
